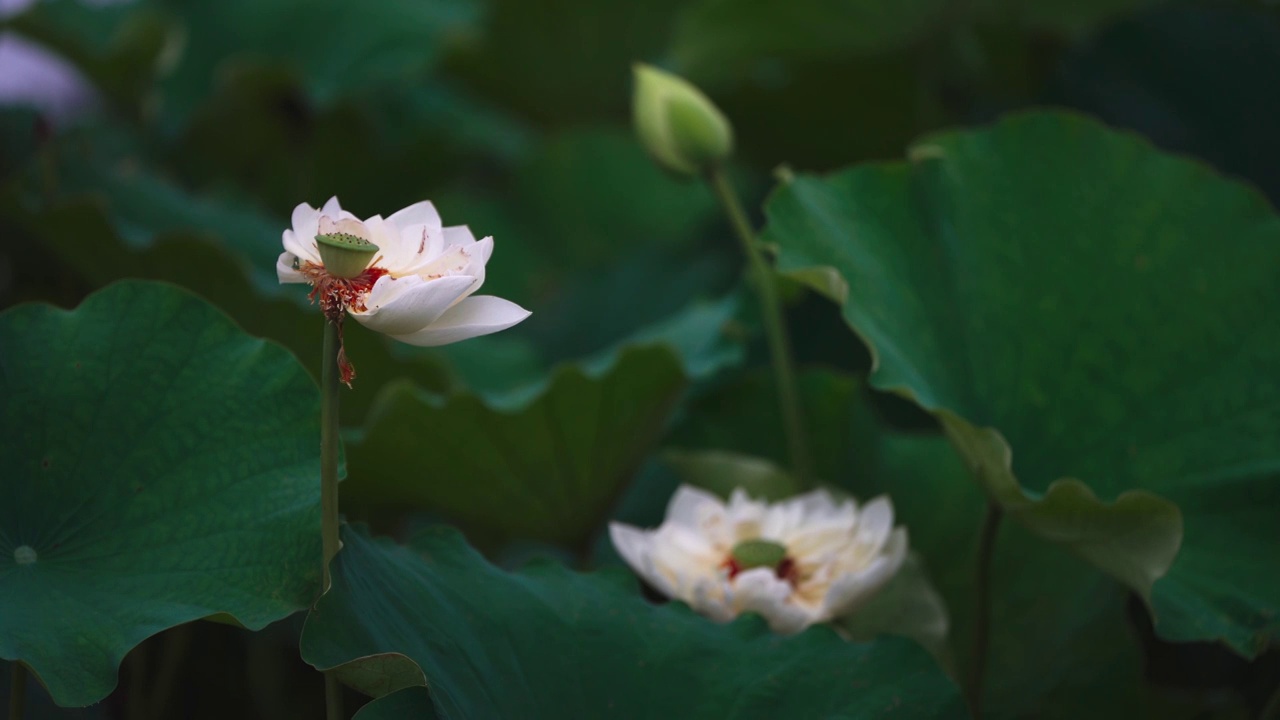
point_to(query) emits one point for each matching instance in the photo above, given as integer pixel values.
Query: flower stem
(330, 382)
(774, 325)
(982, 621)
(17, 690)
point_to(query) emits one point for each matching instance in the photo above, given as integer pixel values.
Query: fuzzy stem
(774, 325)
(982, 620)
(331, 387)
(17, 690)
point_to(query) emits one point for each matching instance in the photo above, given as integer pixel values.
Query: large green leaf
(160, 466)
(545, 465)
(1072, 303)
(550, 643)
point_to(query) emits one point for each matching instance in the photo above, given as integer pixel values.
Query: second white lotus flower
(806, 560)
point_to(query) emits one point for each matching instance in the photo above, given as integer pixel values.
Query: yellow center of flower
(750, 554)
(344, 255)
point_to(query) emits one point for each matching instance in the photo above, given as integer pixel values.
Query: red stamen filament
(786, 570)
(337, 295)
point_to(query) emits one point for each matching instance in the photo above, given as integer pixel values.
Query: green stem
(330, 388)
(17, 690)
(774, 325)
(982, 621)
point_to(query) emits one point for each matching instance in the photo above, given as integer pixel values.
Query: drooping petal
(419, 213)
(285, 271)
(407, 305)
(472, 317)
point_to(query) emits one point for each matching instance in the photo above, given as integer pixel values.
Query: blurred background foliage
(179, 135)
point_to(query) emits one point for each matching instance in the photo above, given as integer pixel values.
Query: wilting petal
(472, 317)
(407, 305)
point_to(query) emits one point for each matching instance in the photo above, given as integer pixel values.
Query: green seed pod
(345, 255)
(679, 126)
(758, 553)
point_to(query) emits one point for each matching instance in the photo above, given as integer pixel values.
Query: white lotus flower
(802, 561)
(406, 275)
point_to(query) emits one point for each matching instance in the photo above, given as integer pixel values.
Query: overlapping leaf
(161, 467)
(547, 467)
(1072, 303)
(548, 643)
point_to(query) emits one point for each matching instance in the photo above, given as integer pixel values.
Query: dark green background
(212, 120)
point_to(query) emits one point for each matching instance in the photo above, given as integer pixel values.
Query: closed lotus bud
(679, 126)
